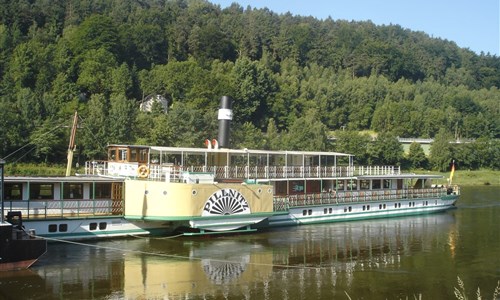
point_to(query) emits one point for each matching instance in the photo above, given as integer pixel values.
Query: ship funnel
(225, 117)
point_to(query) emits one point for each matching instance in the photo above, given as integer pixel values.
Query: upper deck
(176, 164)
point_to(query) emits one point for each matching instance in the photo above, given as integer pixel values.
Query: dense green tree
(306, 133)
(95, 135)
(416, 157)
(353, 142)
(385, 150)
(441, 151)
(248, 136)
(254, 88)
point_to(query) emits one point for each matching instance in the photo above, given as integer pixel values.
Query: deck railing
(173, 173)
(282, 203)
(45, 209)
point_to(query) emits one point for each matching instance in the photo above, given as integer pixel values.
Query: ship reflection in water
(321, 262)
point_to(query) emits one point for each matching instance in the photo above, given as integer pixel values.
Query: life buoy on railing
(143, 171)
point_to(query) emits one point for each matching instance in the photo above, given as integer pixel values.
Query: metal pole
(2, 163)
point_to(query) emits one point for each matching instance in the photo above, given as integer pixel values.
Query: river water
(417, 257)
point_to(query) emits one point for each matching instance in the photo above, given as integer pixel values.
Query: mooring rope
(172, 255)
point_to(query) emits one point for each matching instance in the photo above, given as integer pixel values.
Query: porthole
(164, 193)
(63, 227)
(146, 192)
(194, 192)
(270, 191)
(103, 225)
(93, 226)
(259, 190)
(52, 227)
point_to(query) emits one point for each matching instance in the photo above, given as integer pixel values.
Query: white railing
(172, 173)
(42, 209)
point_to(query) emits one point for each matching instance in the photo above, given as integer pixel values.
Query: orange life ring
(143, 171)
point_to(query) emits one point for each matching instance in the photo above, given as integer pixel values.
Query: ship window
(133, 155)
(409, 204)
(310, 212)
(73, 191)
(52, 227)
(364, 208)
(368, 207)
(364, 184)
(143, 155)
(399, 204)
(350, 208)
(330, 210)
(426, 203)
(304, 212)
(41, 191)
(93, 226)
(63, 227)
(103, 225)
(376, 184)
(413, 204)
(112, 154)
(13, 191)
(395, 205)
(340, 185)
(123, 154)
(387, 183)
(325, 211)
(345, 209)
(102, 191)
(380, 206)
(384, 206)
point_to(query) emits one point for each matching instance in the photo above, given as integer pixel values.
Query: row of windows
(14, 191)
(64, 227)
(363, 184)
(306, 212)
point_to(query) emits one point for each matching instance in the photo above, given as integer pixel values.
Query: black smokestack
(225, 117)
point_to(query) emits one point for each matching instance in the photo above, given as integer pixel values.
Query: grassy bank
(35, 170)
(470, 178)
(476, 178)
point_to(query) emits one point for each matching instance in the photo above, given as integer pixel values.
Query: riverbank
(476, 178)
(461, 177)
(470, 178)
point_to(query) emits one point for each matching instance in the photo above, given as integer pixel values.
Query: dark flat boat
(18, 249)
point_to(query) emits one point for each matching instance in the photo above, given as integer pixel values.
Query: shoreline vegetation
(482, 177)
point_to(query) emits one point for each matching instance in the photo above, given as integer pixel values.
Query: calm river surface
(401, 258)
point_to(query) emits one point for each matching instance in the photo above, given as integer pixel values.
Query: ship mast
(71, 147)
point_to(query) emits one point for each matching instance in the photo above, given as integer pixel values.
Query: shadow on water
(395, 258)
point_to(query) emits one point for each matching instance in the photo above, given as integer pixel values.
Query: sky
(472, 24)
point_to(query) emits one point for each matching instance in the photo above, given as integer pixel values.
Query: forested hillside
(296, 81)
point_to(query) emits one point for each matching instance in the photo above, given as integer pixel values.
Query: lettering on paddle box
(226, 202)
